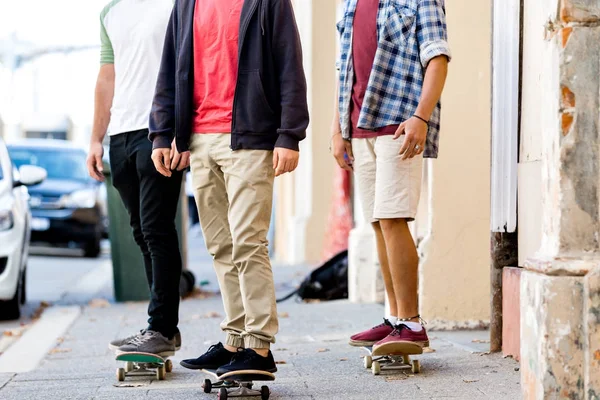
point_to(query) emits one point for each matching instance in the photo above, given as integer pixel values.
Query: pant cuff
(234, 341)
(252, 342)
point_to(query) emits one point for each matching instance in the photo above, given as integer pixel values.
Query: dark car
(67, 208)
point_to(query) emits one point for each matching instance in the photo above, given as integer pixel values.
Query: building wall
(454, 272)
(304, 197)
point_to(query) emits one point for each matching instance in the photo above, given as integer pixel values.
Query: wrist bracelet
(422, 119)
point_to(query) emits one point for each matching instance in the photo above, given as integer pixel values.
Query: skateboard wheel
(368, 362)
(376, 368)
(207, 386)
(169, 365)
(265, 393)
(222, 394)
(161, 373)
(128, 366)
(416, 366)
(120, 374)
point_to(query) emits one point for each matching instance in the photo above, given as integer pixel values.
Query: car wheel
(92, 249)
(11, 309)
(23, 298)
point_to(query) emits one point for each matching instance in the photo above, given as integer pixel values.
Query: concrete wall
(304, 198)
(454, 279)
(560, 302)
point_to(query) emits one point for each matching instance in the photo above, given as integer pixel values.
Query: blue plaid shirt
(410, 33)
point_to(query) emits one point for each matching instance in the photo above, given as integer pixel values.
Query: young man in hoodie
(393, 66)
(232, 92)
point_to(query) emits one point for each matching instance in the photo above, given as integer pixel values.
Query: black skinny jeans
(151, 200)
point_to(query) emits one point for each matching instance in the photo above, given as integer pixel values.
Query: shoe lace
(385, 323)
(143, 338)
(241, 355)
(398, 329)
(214, 348)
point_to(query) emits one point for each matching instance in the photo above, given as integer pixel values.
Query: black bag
(328, 282)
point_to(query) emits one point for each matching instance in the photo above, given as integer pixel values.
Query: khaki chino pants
(234, 194)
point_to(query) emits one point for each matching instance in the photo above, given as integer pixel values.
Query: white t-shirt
(132, 36)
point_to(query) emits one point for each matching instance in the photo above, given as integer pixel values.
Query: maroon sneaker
(373, 335)
(402, 341)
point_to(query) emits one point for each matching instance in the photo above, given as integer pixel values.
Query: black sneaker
(249, 360)
(216, 356)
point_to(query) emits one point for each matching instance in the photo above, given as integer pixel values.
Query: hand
(162, 161)
(285, 160)
(415, 135)
(94, 161)
(342, 151)
(179, 161)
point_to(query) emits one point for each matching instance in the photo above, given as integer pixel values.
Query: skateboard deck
(378, 360)
(143, 364)
(238, 384)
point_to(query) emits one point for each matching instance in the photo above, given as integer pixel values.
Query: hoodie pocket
(253, 111)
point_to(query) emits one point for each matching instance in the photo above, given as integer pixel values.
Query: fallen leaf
(92, 319)
(428, 350)
(479, 341)
(59, 350)
(99, 303)
(470, 381)
(312, 301)
(212, 314)
(395, 378)
(281, 349)
(130, 384)
(597, 355)
(343, 359)
(280, 362)
(60, 339)
(284, 315)
(322, 350)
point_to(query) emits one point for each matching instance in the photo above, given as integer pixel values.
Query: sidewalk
(316, 362)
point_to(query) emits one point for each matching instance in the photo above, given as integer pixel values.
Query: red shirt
(364, 47)
(216, 32)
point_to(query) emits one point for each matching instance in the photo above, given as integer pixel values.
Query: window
(60, 164)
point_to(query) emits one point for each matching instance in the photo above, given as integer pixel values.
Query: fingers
(339, 157)
(411, 149)
(175, 159)
(184, 162)
(348, 145)
(400, 130)
(95, 167)
(161, 158)
(275, 159)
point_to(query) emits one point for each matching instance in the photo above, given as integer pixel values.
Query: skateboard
(238, 384)
(143, 364)
(392, 358)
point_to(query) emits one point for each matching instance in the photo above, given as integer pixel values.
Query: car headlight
(85, 198)
(7, 220)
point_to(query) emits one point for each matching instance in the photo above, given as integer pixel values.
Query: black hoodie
(269, 108)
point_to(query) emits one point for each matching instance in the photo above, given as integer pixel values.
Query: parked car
(68, 207)
(15, 223)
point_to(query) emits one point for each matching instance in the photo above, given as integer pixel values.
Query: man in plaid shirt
(393, 66)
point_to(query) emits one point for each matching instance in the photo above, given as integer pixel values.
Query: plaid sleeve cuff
(431, 50)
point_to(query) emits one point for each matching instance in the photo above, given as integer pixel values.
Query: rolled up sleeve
(432, 32)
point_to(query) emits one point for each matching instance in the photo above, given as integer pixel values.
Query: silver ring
(417, 147)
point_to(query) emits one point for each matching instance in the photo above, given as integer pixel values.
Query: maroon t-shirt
(364, 47)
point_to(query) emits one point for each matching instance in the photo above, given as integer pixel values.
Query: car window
(59, 164)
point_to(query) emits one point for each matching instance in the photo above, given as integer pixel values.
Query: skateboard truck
(238, 384)
(143, 364)
(390, 362)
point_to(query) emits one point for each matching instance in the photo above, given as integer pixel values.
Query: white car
(15, 231)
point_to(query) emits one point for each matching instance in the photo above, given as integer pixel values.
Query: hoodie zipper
(243, 30)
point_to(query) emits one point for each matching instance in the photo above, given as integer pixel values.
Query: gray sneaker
(150, 342)
(115, 344)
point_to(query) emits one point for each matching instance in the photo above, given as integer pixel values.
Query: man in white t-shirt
(132, 35)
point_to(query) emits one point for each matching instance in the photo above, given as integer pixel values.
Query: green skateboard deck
(143, 364)
(238, 384)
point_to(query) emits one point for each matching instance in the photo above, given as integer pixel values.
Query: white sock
(413, 326)
(392, 320)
